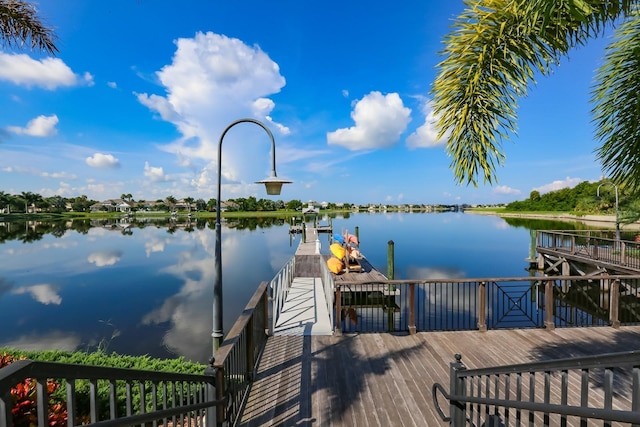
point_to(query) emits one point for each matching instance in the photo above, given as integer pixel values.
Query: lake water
(147, 287)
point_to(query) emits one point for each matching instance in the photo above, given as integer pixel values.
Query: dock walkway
(305, 310)
(386, 379)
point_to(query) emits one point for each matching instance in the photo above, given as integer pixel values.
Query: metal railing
(279, 287)
(157, 397)
(486, 303)
(328, 284)
(212, 399)
(559, 392)
(596, 245)
(236, 359)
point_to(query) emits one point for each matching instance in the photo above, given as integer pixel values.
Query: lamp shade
(273, 184)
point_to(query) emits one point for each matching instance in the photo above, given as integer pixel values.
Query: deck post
(390, 260)
(548, 305)
(211, 412)
(412, 308)
(457, 410)
(482, 307)
(265, 308)
(614, 305)
(338, 327)
(249, 349)
(357, 233)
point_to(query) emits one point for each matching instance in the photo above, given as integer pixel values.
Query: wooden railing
(486, 303)
(236, 359)
(550, 393)
(157, 397)
(595, 245)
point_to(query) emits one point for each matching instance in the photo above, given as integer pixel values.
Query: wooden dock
(309, 377)
(386, 379)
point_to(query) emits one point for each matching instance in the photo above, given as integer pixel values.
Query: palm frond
(20, 26)
(491, 58)
(616, 111)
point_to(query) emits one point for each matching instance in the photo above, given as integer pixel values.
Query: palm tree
(491, 57)
(20, 25)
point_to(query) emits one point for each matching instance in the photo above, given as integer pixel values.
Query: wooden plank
(386, 379)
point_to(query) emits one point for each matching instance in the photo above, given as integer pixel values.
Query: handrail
(235, 361)
(329, 287)
(171, 394)
(486, 303)
(279, 287)
(497, 379)
(595, 245)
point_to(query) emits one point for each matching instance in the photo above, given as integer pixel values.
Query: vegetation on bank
(586, 198)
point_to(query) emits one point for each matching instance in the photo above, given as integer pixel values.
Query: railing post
(412, 308)
(249, 349)
(338, 330)
(221, 413)
(457, 410)
(482, 307)
(265, 314)
(548, 305)
(6, 402)
(210, 416)
(614, 304)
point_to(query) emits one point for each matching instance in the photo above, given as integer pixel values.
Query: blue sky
(141, 90)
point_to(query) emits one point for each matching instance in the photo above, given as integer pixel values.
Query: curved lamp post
(273, 185)
(617, 221)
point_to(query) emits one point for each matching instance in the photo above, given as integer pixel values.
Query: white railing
(279, 287)
(329, 287)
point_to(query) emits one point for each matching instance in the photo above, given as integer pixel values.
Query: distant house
(310, 209)
(112, 205)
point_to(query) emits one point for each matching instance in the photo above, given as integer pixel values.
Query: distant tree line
(585, 198)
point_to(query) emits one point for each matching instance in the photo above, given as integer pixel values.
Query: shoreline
(606, 221)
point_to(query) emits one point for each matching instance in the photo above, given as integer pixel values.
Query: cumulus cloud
(44, 293)
(211, 81)
(104, 258)
(379, 122)
(504, 189)
(40, 126)
(103, 161)
(48, 73)
(426, 136)
(568, 182)
(155, 174)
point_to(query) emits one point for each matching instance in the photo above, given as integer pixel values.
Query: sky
(137, 99)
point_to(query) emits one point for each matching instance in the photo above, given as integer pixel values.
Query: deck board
(386, 379)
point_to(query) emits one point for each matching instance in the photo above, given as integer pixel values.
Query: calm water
(147, 288)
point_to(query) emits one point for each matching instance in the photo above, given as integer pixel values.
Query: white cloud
(103, 161)
(48, 73)
(155, 174)
(105, 258)
(58, 175)
(40, 126)
(44, 293)
(504, 189)
(379, 122)
(568, 182)
(112, 85)
(211, 81)
(426, 136)
(59, 340)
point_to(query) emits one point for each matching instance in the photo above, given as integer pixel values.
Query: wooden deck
(385, 379)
